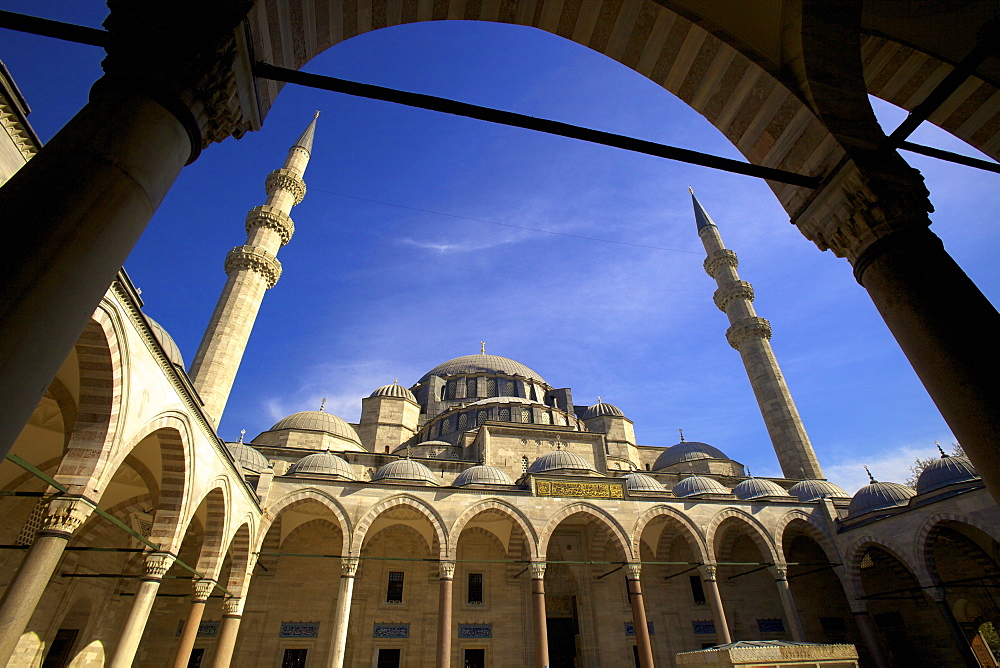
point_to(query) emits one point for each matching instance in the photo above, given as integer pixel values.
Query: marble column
(869, 634)
(225, 645)
(348, 570)
(708, 572)
(639, 615)
(157, 565)
(540, 624)
(444, 614)
(954, 628)
(780, 573)
(64, 516)
(202, 590)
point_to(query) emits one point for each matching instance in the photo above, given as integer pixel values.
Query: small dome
(687, 451)
(394, 390)
(167, 342)
(558, 460)
(813, 490)
(482, 475)
(318, 421)
(640, 482)
(405, 470)
(697, 485)
(326, 463)
(945, 471)
(754, 488)
(879, 496)
(601, 408)
(481, 363)
(248, 458)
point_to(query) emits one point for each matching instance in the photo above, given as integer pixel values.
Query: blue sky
(379, 284)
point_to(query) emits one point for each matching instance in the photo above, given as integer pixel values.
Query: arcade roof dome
(318, 421)
(405, 470)
(813, 490)
(687, 451)
(945, 471)
(558, 460)
(248, 458)
(697, 485)
(394, 390)
(167, 342)
(482, 475)
(879, 496)
(601, 408)
(640, 482)
(754, 488)
(323, 462)
(481, 363)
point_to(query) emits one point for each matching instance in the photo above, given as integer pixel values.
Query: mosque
(477, 517)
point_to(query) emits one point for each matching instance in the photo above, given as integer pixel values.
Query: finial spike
(317, 115)
(322, 405)
(599, 399)
(943, 455)
(409, 450)
(682, 434)
(243, 433)
(482, 347)
(870, 476)
(690, 190)
(749, 475)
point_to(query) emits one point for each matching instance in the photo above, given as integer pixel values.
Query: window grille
(452, 385)
(525, 416)
(546, 418)
(394, 591)
(505, 414)
(33, 524)
(470, 388)
(559, 420)
(463, 421)
(491, 387)
(524, 463)
(476, 588)
(480, 418)
(446, 426)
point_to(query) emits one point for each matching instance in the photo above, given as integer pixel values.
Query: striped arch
(816, 531)
(361, 530)
(242, 563)
(603, 517)
(273, 511)
(755, 530)
(924, 537)
(502, 507)
(856, 552)
(691, 534)
(217, 503)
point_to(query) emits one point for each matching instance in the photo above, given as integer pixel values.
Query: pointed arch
(756, 531)
(499, 506)
(602, 516)
(242, 562)
(815, 530)
(923, 539)
(854, 554)
(422, 507)
(217, 502)
(691, 533)
(273, 511)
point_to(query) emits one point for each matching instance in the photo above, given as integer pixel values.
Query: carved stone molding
(747, 329)
(708, 571)
(349, 567)
(233, 606)
(271, 218)
(719, 259)
(286, 179)
(64, 516)
(157, 565)
(446, 569)
(731, 291)
(257, 259)
(203, 589)
(537, 570)
(633, 570)
(780, 572)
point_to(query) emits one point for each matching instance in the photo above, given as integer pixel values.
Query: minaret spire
(252, 269)
(750, 335)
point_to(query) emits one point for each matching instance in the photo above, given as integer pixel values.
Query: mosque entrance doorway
(562, 642)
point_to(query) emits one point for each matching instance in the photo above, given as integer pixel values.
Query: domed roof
(687, 451)
(405, 470)
(696, 485)
(945, 471)
(481, 363)
(505, 400)
(248, 458)
(640, 482)
(482, 475)
(318, 421)
(560, 459)
(813, 490)
(166, 342)
(394, 390)
(601, 408)
(323, 462)
(754, 488)
(879, 496)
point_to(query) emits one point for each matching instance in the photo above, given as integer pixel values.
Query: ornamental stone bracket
(272, 218)
(746, 329)
(718, 259)
(735, 290)
(285, 179)
(256, 259)
(64, 516)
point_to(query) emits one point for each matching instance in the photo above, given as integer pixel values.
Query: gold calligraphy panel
(582, 490)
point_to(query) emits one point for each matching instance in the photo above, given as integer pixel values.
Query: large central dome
(481, 363)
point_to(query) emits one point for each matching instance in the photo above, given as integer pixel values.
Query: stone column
(232, 614)
(954, 628)
(202, 590)
(708, 572)
(157, 564)
(348, 570)
(540, 624)
(639, 615)
(780, 573)
(869, 634)
(444, 614)
(64, 516)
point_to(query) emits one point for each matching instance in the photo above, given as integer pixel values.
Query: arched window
(546, 418)
(452, 386)
(525, 416)
(471, 389)
(534, 395)
(480, 418)
(444, 392)
(463, 421)
(505, 414)
(446, 426)
(491, 387)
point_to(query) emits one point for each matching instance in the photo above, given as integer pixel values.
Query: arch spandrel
(753, 528)
(689, 530)
(601, 516)
(309, 494)
(361, 530)
(517, 517)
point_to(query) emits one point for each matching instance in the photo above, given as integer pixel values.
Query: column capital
(708, 571)
(858, 607)
(203, 589)
(446, 569)
(937, 594)
(232, 606)
(633, 570)
(64, 516)
(349, 567)
(157, 565)
(747, 329)
(255, 259)
(779, 571)
(537, 570)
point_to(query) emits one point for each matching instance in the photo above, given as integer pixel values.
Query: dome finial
(482, 347)
(599, 399)
(690, 190)
(409, 450)
(749, 475)
(682, 434)
(322, 405)
(243, 432)
(870, 476)
(943, 455)
(395, 381)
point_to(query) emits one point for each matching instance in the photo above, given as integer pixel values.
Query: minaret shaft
(750, 335)
(252, 269)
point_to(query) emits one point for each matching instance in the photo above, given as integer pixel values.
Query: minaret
(252, 268)
(749, 334)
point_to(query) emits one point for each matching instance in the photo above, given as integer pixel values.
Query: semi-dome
(813, 490)
(318, 421)
(696, 485)
(879, 496)
(325, 463)
(482, 475)
(560, 460)
(945, 471)
(601, 408)
(248, 458)
(755, 488)
(405, 470)
(481, 363)
(170, 348)
(394, 390)
(687, 451)
(640, 482)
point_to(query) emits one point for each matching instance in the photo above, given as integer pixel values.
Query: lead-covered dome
(325, 463)
(561, 460)
(601, 408)
(814, 490)
(318, 421)
(879, 496)
(687, 451)
(640, 482)
(755, 488)
(248, 458)
(405, 470)
(697, 485)
(482, 475)
(481, 363)
(945, 471)
(170, 348)
(394, 390)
